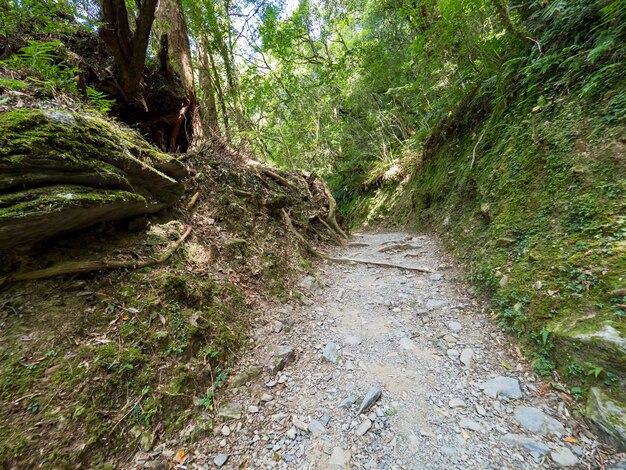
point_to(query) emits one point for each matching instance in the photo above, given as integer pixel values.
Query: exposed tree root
(332, 212)
(379, 263)
(85, 266)
(331, 218)
(331, 231)
(296, 234)
(276, 177)
(317, 192)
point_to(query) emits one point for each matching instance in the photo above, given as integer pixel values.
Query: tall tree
(128, 46)
(176, 57)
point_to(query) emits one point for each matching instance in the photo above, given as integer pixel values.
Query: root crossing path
(387, 368)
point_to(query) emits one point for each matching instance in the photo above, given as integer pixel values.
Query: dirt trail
(455, 393)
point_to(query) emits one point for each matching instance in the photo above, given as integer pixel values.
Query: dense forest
(168, 167)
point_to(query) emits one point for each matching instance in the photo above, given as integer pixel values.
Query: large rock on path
(370, 398)
(502, 387)
(535, 420)
(61, 171)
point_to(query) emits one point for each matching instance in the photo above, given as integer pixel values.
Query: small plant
(220, 380)
(47, 60)
(578, 392)
(575, 370)
(595, 370)
(542, 363)
(43, 58)
(99, 100)
(513, 320)
(611, 379)
(206, 401)
(51, 353)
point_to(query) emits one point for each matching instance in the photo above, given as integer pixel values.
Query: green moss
(12, 84)
(60, 146)
(50, 199)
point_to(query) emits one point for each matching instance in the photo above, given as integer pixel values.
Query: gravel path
(386, 368)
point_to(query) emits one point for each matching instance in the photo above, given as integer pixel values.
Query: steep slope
(93, 364)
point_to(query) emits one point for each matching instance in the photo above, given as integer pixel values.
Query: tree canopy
(347, 88)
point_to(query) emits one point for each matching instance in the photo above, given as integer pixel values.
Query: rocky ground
(387, 368)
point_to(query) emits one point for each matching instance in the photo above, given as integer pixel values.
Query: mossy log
(61, 171)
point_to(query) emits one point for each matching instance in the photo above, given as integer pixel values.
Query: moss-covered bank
(531, 199)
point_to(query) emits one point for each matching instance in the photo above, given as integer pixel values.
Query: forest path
(455, 393)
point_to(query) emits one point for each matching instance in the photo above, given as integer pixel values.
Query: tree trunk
(128, 47)
(503, 15)
(172, 28)
(220, 96)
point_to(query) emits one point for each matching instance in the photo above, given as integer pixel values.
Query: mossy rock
(61, 171)
(598, 343)
(608, 418)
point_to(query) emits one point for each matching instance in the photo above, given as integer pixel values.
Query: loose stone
(466, 357)
(330, 353)
(298, 423)
(220, 460)
(532, 445)
(456, 403)
(467, 423)
(365, 426)
(535, 420)
(564, 457)
(347, 402)
(502, 387)
(370, 398)
(352, 341)
(316, 428)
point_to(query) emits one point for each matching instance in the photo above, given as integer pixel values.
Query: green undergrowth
(48, 69)
(105, 365)
(539, 221)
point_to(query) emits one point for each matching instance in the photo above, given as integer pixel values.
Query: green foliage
(49, 70)
(541, 357)
(21, 19)
(354, 90)
(43, 58)
(99, 100)
(206, 400)
(219, 381)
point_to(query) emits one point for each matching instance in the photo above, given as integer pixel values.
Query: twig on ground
(380, 263)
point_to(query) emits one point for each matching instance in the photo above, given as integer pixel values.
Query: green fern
(99, 100)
